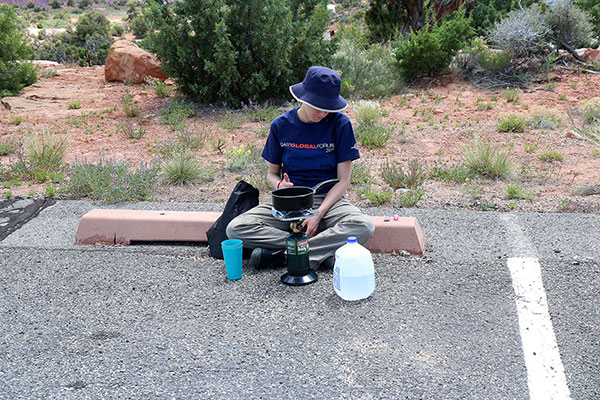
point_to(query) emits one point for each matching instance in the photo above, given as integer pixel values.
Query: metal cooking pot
(297, 198)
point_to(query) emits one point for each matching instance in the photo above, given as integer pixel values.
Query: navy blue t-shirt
(309, 152)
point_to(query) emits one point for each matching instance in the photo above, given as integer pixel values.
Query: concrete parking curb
(104, 226)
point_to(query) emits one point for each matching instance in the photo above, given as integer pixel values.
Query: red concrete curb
(103, 226)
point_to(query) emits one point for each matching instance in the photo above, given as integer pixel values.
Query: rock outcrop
(591, 55)
(126, 62)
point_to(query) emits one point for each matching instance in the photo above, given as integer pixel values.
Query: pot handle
(325, 183)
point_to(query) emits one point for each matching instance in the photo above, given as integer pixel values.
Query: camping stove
(298, 264)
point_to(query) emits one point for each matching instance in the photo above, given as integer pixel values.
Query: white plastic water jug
(353, 273)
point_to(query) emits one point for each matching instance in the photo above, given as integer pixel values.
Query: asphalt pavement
(159, 321)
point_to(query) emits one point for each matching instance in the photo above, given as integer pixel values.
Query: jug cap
(352, 239)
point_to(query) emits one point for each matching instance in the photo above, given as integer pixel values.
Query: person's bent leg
(341, 221)
(258, 227)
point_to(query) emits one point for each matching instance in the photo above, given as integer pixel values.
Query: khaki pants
(259, 228)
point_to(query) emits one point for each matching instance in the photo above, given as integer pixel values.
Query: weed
(529, 147)
(484, 106)
(238, 158)
(111, 181)
(590, 110)
(544, 119)
(367, 112)
(394, 175)
(16, 120)
(448, 173)
(183, 168)
(42, 155)
(514, 191)
(217, 144)
(375, 197)
(473, 188)
(595, 153)
(130, 131)
(261, 113)
(8, 146)
(75, 105)
(130, 108)
(551, 86)
(49, 73)
(176, 114)
(50, 190)
(512, 95)
(372, 136)
(551, 156)
(511, 123)
(409, 198)
(231, 120)
(360, 173)
(160, 87)
(562, 97)
(8, 195)
(494, 98)
(483, 159)
(191, 141)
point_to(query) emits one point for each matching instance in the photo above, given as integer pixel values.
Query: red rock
(127, 62)
(591, 55)
(574, 135)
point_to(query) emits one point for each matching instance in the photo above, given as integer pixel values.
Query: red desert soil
(442, 117)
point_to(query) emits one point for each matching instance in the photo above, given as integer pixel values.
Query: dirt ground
(434, 122)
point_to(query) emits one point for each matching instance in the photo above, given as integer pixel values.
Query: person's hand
(285, 182)
(310, 225)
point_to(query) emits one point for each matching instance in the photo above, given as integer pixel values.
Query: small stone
(584, 189)
(574, 135)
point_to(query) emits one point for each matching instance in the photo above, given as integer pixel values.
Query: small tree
(430, 50)
(238, 50)
(14, 73)
(90, 23)
(571, 27)
(55, 4)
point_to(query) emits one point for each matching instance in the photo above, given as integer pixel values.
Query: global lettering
(328, 146)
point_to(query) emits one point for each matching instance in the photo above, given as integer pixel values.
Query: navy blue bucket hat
(321, 90)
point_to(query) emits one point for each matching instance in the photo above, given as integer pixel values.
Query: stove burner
(294, 215)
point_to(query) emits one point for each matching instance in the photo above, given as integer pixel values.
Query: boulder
(126, 62)
(591, 55)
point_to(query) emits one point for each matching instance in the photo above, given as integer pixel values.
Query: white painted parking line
(546, 374)
(545, 371)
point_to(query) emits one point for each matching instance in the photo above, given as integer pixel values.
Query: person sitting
(305, 146)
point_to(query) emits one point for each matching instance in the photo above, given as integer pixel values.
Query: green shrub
(592, 7)
(394, 175)
(182, 168)
(55, 4)
(90, 23)
(551, 156)
(111, 182)
(360, 173)
(367, 71)
(372, 136)
(522, 33)
(44, 154)
(375, 197)
(74, 105)
(514, 191)
(511, 123)
(130, 107)
(140, 26)
(14, 73)
(544, 119)
(483, 159)
(130, 131)
(8, 146)
(238, 51)
(409, 198)
(590, 110)
(512, 95)
(456, 173)
(569, 24)
(367, 112)
(430, 50)
(117, 30)
(262, 113)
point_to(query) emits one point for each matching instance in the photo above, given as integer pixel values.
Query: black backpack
(243, 198)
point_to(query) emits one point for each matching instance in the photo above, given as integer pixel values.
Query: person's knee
(364, 228)
(232, 230)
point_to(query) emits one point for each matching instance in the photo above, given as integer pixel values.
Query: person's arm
(334, 194)
(273, 177)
